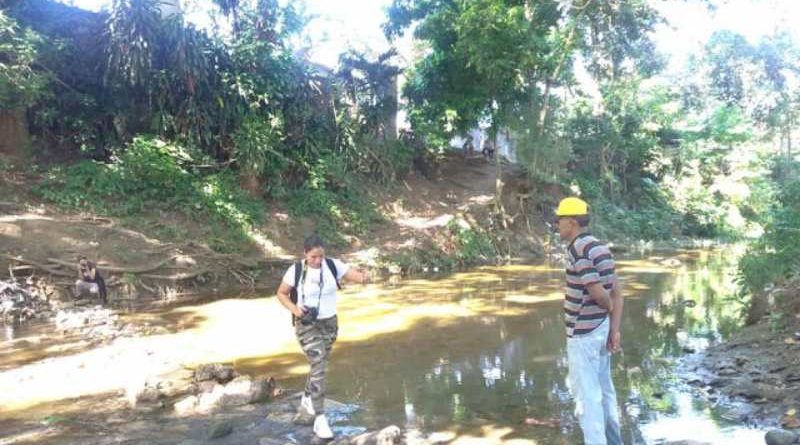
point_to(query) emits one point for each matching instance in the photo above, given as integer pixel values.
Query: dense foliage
(242, 103)
(776, 255)
(170, 116)
(659, 155)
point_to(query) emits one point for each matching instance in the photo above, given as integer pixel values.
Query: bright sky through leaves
(341, 24)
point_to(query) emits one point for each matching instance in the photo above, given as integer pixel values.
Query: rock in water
(220, 429)
(214, 371)
(390, 435)
(186, 406)
(780, 437)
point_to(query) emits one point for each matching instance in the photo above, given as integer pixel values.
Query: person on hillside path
(308, 291)
(469, 147)
(592, 313)
(488, 150)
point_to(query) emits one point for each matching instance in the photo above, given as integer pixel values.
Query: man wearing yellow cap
(592, 313)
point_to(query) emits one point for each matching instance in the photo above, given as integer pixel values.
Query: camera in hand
(310, 316)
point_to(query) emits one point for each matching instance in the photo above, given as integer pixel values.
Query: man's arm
(600, 295)
(616, 317)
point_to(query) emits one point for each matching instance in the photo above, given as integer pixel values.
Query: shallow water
(465, 357)
(486, 349)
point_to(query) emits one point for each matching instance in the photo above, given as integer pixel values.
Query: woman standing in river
(308, 291)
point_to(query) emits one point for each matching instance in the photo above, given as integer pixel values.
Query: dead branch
(131, 233)
(210, 253)
(178, 276)
(148, 288)
(97, 220)
(244, 277)
(161, 249)
(46, 268)
(117, 269)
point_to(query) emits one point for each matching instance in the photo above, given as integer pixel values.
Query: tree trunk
(604, 169)
(554, 77)
(14, 137)
(545, 106)
(789, 144)
(388, 97)
(498, 183)
(251, 183)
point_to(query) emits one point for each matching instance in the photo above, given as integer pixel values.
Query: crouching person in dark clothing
(90, 282)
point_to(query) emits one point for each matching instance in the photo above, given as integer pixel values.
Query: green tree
(21, 81)
(501, 61)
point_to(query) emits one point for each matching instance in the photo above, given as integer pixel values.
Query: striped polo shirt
(589, 261)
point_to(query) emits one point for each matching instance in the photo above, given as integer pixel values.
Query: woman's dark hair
(312, 242)
(583, 220)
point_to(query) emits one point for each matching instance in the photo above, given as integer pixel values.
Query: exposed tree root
(49, 269)
(117, 269)
(178, 276)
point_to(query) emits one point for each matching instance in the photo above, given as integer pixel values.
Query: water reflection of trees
(683, 312)
(517, 368)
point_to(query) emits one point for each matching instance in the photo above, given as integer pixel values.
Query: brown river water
(462, 358)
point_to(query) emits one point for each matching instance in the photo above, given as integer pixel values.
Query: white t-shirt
(308, 290)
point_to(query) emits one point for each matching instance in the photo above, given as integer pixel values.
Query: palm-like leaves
(133, 33)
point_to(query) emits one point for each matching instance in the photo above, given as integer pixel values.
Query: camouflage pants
(316, 340)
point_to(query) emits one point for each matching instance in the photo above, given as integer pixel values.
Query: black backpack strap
(298, 271)
(332, 267)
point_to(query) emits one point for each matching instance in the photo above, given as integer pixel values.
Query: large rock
(214, 372)
(187, 406)
(759, 391)
(239, 392)
(390, 435)
(209, 402)
(138, 393)
(174, 384)
(243, 390)
(206, 386)
(155, 389)
(780, 437)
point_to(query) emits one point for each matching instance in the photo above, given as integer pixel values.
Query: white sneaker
(305, 412)
(321, 427)
(307, 406)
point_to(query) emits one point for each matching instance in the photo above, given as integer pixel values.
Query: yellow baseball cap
(572, 206)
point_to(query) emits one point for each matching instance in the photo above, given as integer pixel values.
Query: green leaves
(495, 60)
(134, 33)
(21, 82)
(259, 145)
(776, 255)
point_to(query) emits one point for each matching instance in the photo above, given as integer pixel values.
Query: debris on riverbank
(22, 300)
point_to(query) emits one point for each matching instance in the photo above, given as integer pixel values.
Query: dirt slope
(140, 262)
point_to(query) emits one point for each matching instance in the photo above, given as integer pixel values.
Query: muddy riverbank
(758, 368)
